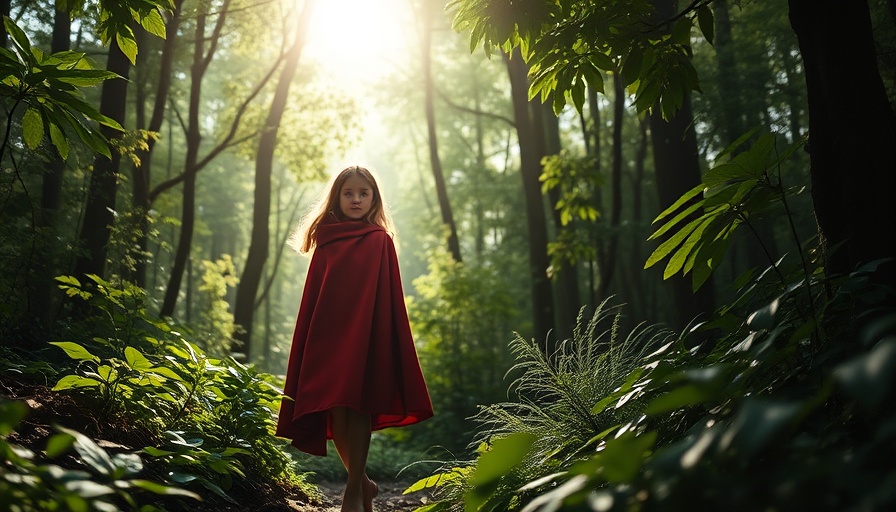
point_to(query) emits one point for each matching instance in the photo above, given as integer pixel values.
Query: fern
(555, 403)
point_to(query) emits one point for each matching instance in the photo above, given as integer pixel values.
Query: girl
(353, 367)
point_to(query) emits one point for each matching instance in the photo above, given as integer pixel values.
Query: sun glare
(359, 40)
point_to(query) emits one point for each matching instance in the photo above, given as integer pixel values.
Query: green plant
(553, 422)
(93, 481)
(211, 418)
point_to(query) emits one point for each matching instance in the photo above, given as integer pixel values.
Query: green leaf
(433, 481)
(75, 351)
(687, 196)
(705, 22)
(75, 381)
(869, 378)
(622, 457)
(672, 242)
(683, 396)
(11, 414)
(59, 444)
(59, 140)
(505, 454)
(164, 490)
(154, 24)
(127, 45)
(759, 421)
(675, 220)
(32, 128)
(136, 360)
(20, 40)
(694, 240)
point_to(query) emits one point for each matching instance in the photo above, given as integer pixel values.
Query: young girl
(353, 367)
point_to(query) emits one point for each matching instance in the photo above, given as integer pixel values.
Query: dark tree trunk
(852, 134)
(48, 267)
(432, 137)
(251, 277)
(677, 166)
(530, 168)
(5, 6)
(142, 175)
(566, 278)
(194, 138)
(606, 271)
(600, 250)
(98, 212)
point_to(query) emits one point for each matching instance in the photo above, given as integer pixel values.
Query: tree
(250, 279)
(852, 135)
(428, 15)
(530, 170)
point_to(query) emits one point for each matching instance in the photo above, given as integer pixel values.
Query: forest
(648, 249)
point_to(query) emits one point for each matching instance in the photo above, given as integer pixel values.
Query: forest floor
(49, 408)
(390, 499)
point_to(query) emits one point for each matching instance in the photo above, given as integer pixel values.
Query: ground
(390, 499)
(48, 408)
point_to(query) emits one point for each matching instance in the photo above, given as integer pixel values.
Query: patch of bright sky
(356, 45)
(356, 42)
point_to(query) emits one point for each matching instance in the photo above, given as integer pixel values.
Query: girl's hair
(304, 238)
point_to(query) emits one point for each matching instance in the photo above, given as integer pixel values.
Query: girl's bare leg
(351, 435)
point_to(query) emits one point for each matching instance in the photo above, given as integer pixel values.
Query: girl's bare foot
(353, 500)
(369, 492)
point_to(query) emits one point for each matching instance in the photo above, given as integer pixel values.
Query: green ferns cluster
(778, 401)
(209, 420)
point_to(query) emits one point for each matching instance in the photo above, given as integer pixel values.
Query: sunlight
(357, 41)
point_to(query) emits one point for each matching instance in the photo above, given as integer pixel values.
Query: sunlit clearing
(356, 42)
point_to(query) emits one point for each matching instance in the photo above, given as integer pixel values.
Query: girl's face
(355, 198)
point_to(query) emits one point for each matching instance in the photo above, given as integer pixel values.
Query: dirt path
(390, 499)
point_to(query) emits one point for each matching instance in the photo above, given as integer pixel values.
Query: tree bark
(99, 210)
(432, 137)
(566, 278)
(607, 271)
(251, 277)
(142, 174)
(852, 135)
(194, 137)
(530, 169)
(677, 166)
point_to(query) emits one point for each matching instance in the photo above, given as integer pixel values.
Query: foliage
(117, 17)
(210, 417)
(553, 421)
(733, 193)
(571, 45)
(50, 87)
(458, 311)
(214, 328)
(98, 481)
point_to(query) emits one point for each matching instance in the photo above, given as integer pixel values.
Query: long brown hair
(304, 239)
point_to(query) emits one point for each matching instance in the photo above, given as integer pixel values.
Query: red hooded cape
(352, 345)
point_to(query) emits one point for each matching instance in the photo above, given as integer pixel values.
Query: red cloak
(352, 345)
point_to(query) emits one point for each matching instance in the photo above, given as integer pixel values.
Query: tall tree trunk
(5, 6)
(677, 166)
(852, 134)
(432, 137)
(50, 199)
(99, 211)
(530, 169)
(734, 125)
(566, 278)
(194, 137)
(250, 279)
(142, 174)
(600, 251)
(609, 268)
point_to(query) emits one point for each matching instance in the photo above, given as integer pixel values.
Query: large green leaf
(32, 128)
(75, 381)
(505, 454)
(76, 351)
